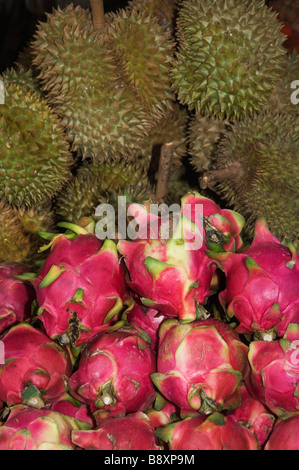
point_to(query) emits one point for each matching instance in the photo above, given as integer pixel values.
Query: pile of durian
(87, 111)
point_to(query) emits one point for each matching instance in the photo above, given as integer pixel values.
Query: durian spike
(98, 14)
(165, 164)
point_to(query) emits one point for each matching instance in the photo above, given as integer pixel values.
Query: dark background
(19, 18)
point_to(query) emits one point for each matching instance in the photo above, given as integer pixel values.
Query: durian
(203, 136)
(229, 57)
(15, 244)
(83, 81)
(257, 172)
(164, 11)
(281, 97)
(91, 184)
(144, 52)
(34, 154)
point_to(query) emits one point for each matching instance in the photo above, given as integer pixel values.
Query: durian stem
(98, 14)
(164, 171)
(233, 171)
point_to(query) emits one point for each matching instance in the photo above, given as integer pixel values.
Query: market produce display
(179, 329)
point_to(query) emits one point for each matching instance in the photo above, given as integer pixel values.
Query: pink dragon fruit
(80, 289)
(36, 369)
(274, 374)
(132, 432)
(254, 415)
(215, 432)
(200, 365)
(16, 296)
(30, 429)
(68, 405)
(285, 435)
(157, 260)
(114, 373)
(146, 321)
(162, 412)
(261, 284)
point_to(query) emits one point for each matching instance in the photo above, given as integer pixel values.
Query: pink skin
(230, 223)
(114, 374)
(131, 432)
(16, 296)
(215, 432)
(93, 268)
(261, 284)
(68, 406)
(275, 370)
(146, 322)
(254, 415)
(285, 435)
(29, 429)
(200, 365)
(31, 358)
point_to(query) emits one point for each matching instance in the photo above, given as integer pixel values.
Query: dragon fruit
(36, 369)
(200, 365)
(114, 373)
(162, 412)
(16, 296)
(146, 321)
(261, 284)
(254, 415)
(157, 259)
(285, 435)
(215, 432)
(68, 405)
(131, 432)
(30, 429)
(81, 288)
(274, 374)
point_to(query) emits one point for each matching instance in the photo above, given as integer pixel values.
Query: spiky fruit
(159, 254)
(200, 365)
(165, 12)
(114, 373)
(16, 296)
(29, 429)
(254, 416)
(22, 77)
(34, 157)
(275, 370)
(69, 406)
(280, 99)
(36, 369)
(257, 172)
(92, 185)
(261, 289)
(99, 111)
(285, 434)
(132, 432)
(80, 288)
(144, 52)
(221, 47)
(15, 244)
(203, 136)
(215, 432)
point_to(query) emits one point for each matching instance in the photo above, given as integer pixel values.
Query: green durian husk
(229, 58)
(35, 159)
(262, 155)
(83, 83)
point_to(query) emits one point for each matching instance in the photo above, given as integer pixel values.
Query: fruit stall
(149, 227)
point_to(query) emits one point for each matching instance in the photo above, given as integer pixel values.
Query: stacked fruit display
(184, 336)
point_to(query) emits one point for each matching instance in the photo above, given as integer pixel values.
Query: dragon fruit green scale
(200, 365)
(80, 289)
